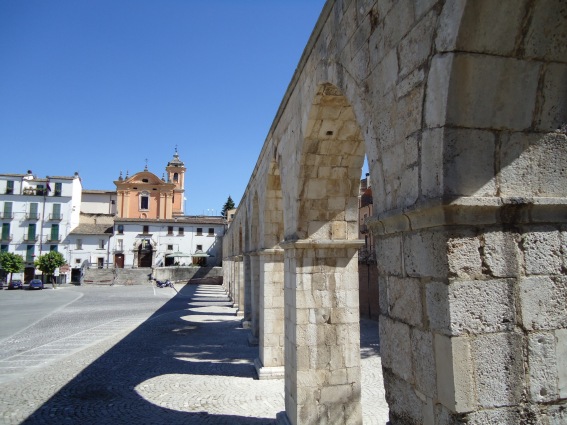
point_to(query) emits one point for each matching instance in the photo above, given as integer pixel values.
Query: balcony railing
(6, 238)
(6, 215)
(53, 238)
(56, 217)
(35, 191)
(31, 238)
(32, 216)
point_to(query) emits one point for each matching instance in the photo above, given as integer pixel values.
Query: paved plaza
(181, 359)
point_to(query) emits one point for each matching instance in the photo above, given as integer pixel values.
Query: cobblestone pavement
(188, 363)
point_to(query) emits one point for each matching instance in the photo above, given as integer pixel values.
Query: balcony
(34, 191)
(6, 215)
(56, 217)
(32, 216)
(6, 238)
(53, 238)
(31, 238)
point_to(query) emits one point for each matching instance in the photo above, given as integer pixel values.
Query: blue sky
(99, 86)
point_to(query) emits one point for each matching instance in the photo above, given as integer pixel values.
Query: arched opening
(321, 290)
(145, 253)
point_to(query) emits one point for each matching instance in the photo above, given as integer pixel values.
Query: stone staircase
(132, 276)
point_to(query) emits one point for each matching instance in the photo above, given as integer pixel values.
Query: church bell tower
(176, 174)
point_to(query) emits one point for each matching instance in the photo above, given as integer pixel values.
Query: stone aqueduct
(460, 107)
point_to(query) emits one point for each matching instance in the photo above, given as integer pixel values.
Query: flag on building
(47, 187)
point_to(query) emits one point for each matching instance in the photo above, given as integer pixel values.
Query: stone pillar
(239, 285)
(322, 333)
(472, 324)
(247, 287)
(255, 298)
(227, 275)
(270, 364)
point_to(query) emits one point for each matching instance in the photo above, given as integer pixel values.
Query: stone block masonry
(459, 109)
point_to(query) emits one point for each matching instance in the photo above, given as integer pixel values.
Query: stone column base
(252, 340)
(265, 372)
(282, 419)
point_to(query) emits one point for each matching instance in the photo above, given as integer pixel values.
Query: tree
(228, 205)
(11, 263)
(47, 263)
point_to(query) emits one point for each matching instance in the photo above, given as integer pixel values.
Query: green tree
(47, 263)
(228, 205)
(12, 263)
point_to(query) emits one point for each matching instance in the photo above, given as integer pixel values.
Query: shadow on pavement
(172, 359)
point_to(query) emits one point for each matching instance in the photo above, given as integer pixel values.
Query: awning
(200, 254)
(177, 255)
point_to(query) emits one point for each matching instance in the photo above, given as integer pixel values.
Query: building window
(120, 229)
(31, 232)
(3, 248)
(6, 231)
(199, 231)
(211, 231)
(56, 212)
(10, 187)
(144, 201)
(145, 230)
(53, 248)
(40, 190)
(175, 177)
(181, 231)
(120, 244)
(54, 232)
(101, 243)
(30, 253)
(58, 189)
(79, 244)
(199, 247)
(170, 230)
(7, 210)
(170, 247)
(33, 214)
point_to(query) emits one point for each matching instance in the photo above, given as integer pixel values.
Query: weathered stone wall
(461, 109)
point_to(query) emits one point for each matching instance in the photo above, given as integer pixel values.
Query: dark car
(36, 284)
(16, 284)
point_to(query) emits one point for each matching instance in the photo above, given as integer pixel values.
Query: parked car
(16, 284)
(36, 284)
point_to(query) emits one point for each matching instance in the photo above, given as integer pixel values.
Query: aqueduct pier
(460, 107)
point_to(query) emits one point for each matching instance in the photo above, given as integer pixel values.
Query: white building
(184, 241)
(37, 215)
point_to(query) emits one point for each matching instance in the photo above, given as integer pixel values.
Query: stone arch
(331, 163)
(273, 217)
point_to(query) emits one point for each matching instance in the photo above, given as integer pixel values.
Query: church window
(175, 177)
(144, 201)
